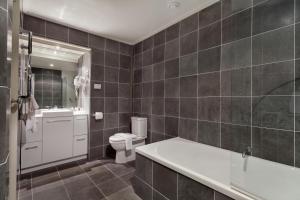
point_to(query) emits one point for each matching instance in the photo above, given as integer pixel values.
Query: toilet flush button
(97, 86)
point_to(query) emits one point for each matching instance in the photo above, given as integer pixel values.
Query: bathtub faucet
(247, 152)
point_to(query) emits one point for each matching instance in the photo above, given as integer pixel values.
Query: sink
(57, 112)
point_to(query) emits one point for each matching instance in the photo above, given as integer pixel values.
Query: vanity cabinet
(56, 140)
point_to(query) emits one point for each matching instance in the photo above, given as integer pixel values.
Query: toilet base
(123, 156)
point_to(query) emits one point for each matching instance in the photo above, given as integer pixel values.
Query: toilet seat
(120, 137)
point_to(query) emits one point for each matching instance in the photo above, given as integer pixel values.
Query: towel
(128, 144)
(31, 125)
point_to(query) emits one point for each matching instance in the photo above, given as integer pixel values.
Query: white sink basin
(57, 112)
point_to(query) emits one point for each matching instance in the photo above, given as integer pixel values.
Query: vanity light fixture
(55, 52)
(51, 65)
(57, 47)
(173, 4)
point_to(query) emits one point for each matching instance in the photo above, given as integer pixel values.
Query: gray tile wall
(48, 87)
(5, 28)
(226, 76)
(153, 181)
(111, 67)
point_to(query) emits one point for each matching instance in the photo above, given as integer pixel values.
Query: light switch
(97, 86)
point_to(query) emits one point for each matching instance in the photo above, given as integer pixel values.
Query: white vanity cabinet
(57, 140)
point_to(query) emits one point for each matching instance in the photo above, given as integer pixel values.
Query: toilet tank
(139, 126)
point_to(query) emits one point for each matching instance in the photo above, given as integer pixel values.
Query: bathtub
(225, 171)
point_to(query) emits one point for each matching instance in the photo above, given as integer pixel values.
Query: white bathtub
(226, 171)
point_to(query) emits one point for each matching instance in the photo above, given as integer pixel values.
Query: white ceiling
(128, 21)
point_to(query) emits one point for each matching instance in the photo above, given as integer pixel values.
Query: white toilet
(138, 136)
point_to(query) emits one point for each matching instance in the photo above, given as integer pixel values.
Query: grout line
(117, 176)
(294, 84)
(61, 179)
(220, 79)
(251, 80)
(99, 189)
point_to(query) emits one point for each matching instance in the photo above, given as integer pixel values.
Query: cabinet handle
(29, 148)
(81, 119)
(81, 139)
(63, 120)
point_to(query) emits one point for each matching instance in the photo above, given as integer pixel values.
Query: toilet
(138, 136)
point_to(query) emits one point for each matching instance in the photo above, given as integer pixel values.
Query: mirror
(60, 74)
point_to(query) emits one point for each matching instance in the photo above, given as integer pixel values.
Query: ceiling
(129, 21)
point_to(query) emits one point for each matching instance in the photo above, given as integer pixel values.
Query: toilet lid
(121, 137)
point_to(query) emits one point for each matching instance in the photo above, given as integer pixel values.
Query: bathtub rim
(209, 182)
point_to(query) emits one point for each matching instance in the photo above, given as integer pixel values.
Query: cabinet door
(36, 133)
(80, 145)
(31, 154)
(57, 138)
(80, 125)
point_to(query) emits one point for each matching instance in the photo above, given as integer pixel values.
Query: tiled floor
(97, 180)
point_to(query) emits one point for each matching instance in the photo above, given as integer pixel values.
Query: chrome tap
(247, 152)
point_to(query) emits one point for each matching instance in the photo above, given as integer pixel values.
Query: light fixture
(173, 4)
(55, 52)
(57, 47)
(51, 65)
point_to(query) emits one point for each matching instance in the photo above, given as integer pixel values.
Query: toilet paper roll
(98, 115)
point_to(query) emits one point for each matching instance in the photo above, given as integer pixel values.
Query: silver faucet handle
(247, 152)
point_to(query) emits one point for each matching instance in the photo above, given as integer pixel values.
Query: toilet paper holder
(99, 117)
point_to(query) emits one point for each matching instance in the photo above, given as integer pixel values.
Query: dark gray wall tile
(209, 109)
(98, 57)
(209, 60)
(235, 138)
(189, 64)
(188, 86)
(111, 89)
(159, 38)
(273, 46)
(172, 88)
(189, 189)
(111, 105)
(3, 49)
(188, 129)
(147, 57)
(157, 124)
(273, 112)
(111, 59)
(171, 126)
(111, 120)
(98, 73)
(112, 45)
(273, 79)
(96, 42)
(209, 36)
(172, 68)
(172, 106)
(209, 133)
(189, 24)
(57, 32)
(158, 196)
(274, 145)
(236, 82)
(148, 44)
(172, 49)
(219, 196)
(36, 25)
(125, 61)
(210, 15)
(297, 145)
(159, 54)
(237, 26)
(78, 37)
(236, 54)
(209, 84)
(188, 108)
(230, 7)
(111, 74)
(172, 32)
(147, 74)
(158, 89)
(270, 15)
(158, 71)
(144, 168)
(165, 181)
(236, 110)
(188, 44)
(147, 90)
(158, 106)
(124, 76)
